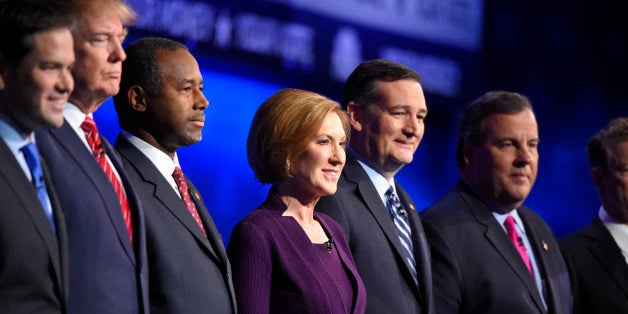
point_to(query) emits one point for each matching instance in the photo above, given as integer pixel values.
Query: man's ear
(467, 151)
(356, 116)
(2, 80)
(597, 177)
(137, 98)
(3, 73)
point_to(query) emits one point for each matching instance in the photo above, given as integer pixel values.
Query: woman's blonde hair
(282, 128)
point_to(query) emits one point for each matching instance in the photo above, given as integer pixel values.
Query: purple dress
(277, 269)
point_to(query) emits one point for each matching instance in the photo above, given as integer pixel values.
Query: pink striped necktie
(179, 178)
(516, 240)
(93, 139)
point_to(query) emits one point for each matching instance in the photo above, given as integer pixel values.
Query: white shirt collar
(164, 164)
(618, 231)
(15, 140)
(381, 184)
(501, 218)
(75, 117)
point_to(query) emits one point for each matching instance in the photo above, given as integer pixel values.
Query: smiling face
(503, 167)
(175, 112)
(99, 54)
(317, 169)
(388, 134)
(37, 90)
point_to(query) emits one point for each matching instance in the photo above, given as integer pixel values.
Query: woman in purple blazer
(285, 257)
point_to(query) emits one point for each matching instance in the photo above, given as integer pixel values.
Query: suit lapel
(25, 193)
(498, 238)
(69, 140)
(216, 246)
(540, 248)
(138, 224)
(366, 191)
(605, 249)
(345, 257)
(421, 248)
(214, 237)
(62, 236)
(163, 191)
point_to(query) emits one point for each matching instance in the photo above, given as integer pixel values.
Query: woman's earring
(288, 165)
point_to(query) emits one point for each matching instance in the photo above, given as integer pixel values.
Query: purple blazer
(276, 268)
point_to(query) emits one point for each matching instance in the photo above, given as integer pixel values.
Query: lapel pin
(544, 245)
(195, 195)
(411, 206)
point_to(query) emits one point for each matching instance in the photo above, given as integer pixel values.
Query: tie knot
(29, 150)
(392, 198)
(89, 125)
(395, 207)
(178, 176)
(509, 223)
(93, 138)
(511, 229)
(31, 155)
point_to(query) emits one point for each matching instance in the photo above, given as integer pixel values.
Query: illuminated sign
(325, 39)
(451, 22)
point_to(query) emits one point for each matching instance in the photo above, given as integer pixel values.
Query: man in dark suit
(160, 108)
(104, 219)
(597, 255)
(35, 82)
(386, 107)
(491, 254)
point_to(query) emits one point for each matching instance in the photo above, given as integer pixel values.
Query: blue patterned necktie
(402, 227)
(32, 160)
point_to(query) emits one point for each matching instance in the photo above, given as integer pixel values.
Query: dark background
(569, 57)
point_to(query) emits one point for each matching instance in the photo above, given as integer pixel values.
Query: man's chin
(403, 160)
(395, 165)
(109, 88)
(113, 91)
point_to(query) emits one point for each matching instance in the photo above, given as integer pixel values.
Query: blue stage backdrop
(250, 49)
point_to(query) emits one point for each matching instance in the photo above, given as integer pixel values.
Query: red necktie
(93, 139)
(516, 240)
(179, 178)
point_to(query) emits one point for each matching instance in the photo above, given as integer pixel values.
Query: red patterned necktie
(516, 240)
(179, 178)
(93, 139)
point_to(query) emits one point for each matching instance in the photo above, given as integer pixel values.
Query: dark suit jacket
(375, 246)
(107, 275)
(189, 273)
(476, 267)
(33, 259)
(599, 273)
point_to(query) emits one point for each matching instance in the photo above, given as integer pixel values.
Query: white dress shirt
(75, 117)
(164, 164)
(618, 230)
(15, 140)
